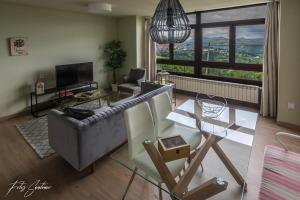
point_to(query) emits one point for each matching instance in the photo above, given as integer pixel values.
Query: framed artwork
(18, 46)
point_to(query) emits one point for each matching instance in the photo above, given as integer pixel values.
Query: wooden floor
(19, 162)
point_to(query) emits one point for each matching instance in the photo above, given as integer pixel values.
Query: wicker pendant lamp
(169, 23)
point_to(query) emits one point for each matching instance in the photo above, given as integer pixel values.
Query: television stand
(52, 97)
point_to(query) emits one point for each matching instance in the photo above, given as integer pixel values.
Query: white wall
(55, 37)
(289, 62)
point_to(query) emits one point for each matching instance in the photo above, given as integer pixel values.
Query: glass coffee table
(228, 137)
(82, 98)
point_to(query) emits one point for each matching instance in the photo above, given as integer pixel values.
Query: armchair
(132, 82)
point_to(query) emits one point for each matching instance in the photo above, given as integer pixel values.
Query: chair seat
(191, 136)
(129, 87)
(144, 162)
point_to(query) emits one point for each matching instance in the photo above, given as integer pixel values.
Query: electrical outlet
(291, 105)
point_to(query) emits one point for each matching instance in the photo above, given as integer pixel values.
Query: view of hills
(216, 49)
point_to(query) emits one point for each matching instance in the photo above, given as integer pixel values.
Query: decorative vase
(40, 86)
(114, 87)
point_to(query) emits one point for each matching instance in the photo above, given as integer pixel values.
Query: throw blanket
(281, 175)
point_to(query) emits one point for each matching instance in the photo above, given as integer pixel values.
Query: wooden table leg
(184, 181)
(160, 165)
(108, 100)
(93, 167)
(231, 168)
(228, 164)
(100, 103)
(207, 189)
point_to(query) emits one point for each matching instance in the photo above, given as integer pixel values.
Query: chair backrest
(135, 75)
(161, 107)
(140, 126)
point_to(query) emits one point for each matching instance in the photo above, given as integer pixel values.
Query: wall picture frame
(18, 46)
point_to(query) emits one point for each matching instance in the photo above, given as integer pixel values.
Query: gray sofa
(83, 142)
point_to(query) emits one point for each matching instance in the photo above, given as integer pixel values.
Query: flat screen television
(73, 74)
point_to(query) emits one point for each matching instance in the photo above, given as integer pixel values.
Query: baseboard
(19, 114)
(230, 101)
(289, 126)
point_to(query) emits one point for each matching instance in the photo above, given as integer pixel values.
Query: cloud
(216, 32)
(234, 14)
(250, 32)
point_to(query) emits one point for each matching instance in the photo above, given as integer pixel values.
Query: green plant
(115, 56)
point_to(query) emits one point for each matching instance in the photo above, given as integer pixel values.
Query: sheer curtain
(150, 53)
(270, 65)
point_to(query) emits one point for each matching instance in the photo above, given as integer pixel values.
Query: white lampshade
(99, 8)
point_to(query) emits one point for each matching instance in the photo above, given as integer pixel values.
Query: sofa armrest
(64, 137)
(288, 141)
(139, 82)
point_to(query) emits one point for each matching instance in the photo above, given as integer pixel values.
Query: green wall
(130, 32)
(126, 28)
(289, 62)
(55, 37)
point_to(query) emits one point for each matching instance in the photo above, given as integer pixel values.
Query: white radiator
(235, 91)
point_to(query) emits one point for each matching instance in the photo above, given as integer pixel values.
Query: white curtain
(270, 65)
(150, 53)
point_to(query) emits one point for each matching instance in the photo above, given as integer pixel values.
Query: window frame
(198, 63)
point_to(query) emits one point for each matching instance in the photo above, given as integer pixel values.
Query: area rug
(35, 131)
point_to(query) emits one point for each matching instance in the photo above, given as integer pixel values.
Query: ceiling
(131, 7)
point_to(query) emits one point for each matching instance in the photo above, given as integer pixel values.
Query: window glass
(215, 44)
(176, 68)
(192, 18)
(254, 12)
(249, 44)
(185, 50)
(162, 51)
(250, 75)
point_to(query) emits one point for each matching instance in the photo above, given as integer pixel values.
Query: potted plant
(115, 56)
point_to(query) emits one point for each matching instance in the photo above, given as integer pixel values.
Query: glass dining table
(227, 159)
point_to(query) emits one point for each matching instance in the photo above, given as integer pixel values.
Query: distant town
(216, 49)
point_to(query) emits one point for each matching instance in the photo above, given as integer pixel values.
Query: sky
(249, 32)
(234, 14)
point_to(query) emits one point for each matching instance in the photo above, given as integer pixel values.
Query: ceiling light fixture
(99, 8)
(169, 24)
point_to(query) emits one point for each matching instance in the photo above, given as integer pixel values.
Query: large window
(249, 42)
(185, 50)
(225, 44)
(215, 44)
(162, 51)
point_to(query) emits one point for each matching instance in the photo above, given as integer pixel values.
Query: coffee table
(80, 98)
(228, 144)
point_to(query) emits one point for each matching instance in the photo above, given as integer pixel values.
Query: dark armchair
(132, 82)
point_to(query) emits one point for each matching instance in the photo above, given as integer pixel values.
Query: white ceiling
(132, 7)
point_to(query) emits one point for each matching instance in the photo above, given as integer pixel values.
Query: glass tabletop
(235, 126)
(121, 156)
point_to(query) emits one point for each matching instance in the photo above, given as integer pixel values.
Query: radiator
(234, 91)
